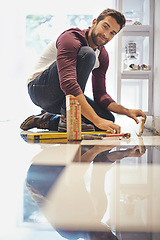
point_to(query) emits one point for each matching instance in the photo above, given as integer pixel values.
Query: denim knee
(87, 55)
(85, 62)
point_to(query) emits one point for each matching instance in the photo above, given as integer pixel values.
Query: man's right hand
(107, 125)
(89, 113)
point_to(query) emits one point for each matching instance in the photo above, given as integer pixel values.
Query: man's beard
(94, 39)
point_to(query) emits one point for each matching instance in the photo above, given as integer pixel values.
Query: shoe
(134, 67)
(137, 23)
(138, 67)
(145, 67)
(40, 121)
(62, 126)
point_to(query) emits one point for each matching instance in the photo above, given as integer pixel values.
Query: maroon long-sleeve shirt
(68, 45)
(65, 51)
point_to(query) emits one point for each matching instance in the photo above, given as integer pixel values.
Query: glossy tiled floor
(99, 189)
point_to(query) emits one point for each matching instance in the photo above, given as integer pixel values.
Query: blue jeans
(45, 89)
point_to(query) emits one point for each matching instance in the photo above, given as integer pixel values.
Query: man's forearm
(132, 113)
(117, 108)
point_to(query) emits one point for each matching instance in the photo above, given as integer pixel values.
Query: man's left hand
(134, 113)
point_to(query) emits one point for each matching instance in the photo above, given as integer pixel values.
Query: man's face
(104, 31)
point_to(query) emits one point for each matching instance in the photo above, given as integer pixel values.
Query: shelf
(137, 30)
(136, 46)
(137, 74)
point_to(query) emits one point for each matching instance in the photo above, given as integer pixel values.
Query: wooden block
(73, 110)
(141, 127)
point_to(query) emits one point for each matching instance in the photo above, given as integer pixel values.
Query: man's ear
(94, 22)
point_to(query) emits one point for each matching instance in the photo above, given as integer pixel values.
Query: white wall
(15, 64)
(157, 60)
(156, 90)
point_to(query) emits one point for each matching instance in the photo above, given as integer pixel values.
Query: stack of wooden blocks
(73, 110)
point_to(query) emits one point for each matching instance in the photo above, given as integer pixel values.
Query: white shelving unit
(134, 87)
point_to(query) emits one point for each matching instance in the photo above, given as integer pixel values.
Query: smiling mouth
(103, 39)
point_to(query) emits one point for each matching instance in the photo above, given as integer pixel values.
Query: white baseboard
(153, 124)
(157, 125)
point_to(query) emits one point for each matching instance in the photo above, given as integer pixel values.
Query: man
(65, 69)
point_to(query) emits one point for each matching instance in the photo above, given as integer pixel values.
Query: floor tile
(55, 154)
(144, 140)
(91, 190)
(105, 196)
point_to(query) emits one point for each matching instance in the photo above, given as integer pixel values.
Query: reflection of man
(65, 69)
(102, 153)
(41, 179)
(75, 235)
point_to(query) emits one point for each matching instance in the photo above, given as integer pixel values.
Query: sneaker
(62, 126)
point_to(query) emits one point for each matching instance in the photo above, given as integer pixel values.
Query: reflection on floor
(99, 189)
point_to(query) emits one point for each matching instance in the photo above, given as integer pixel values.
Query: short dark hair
(119, 17)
